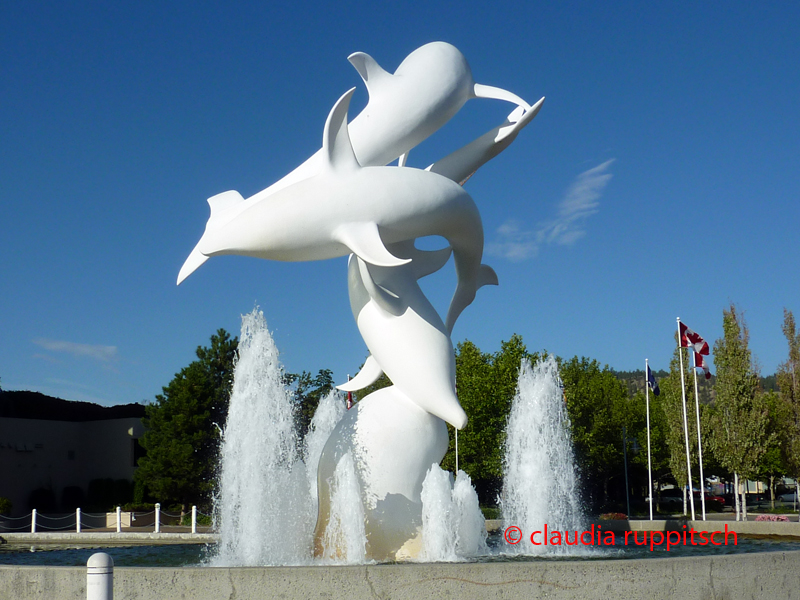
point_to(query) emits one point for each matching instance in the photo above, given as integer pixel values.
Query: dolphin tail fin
(517, 120)
(368, 375)
(495, 93)
(221, 213)
(368, 68)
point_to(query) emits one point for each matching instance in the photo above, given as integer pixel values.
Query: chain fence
(139, 521)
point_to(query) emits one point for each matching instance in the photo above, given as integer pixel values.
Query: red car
(719, 499)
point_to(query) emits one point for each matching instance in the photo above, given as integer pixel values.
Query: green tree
(183, 427)
(597, 403)
(773, 464)
(788, 380)
(738, 435)
(486, 384)
(308, 392)
(636, 418)
(671, 406)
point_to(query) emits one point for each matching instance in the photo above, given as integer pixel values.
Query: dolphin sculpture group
(344, 200)
(405, 108)
(347, 209)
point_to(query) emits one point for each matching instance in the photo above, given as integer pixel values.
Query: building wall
(37, 453)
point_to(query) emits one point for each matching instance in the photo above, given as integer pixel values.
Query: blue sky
(660, 179)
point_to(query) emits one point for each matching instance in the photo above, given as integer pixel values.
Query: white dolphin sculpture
(348, 208)
(462, 164)
(393, 442)
(405, 335)
(427, 89)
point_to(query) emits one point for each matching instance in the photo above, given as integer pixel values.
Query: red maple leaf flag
(349, 396)
(699, 363)
(689, 339)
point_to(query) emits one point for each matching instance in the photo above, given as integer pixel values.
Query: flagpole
(699, 443)
(625, 458)
(647, 404)
(685, 423)
(456, 451)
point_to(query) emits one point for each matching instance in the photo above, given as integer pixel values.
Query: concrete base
(745, 576)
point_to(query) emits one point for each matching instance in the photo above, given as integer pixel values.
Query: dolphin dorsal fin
(336, 146)
(368, 68)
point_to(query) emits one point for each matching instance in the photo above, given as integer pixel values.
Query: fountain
(345, 201)
(270, 482)
(539, 479)
(366, 485)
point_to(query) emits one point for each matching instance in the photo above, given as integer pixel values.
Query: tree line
(747, 431)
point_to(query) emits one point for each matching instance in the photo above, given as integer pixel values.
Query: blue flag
(651, 381)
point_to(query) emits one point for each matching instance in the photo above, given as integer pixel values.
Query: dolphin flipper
(364, 239)
(423, 262)
(426, 262)
(487, 276)
(368, 375)
(389, 302)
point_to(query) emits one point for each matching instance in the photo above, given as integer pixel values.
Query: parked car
(788, 497)
(671, 497)
(757, 499)
(710, 498)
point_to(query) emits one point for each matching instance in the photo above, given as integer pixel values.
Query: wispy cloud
(579, 203)
(101, 353)
(515, 243)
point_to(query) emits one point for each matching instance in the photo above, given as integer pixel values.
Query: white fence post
(100, 577)
(33, 521)
(77, 520)
(194, 519)
(119, 519)
(158, 517)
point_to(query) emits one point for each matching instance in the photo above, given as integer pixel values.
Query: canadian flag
(689, 339)
(349, 396)
(699, 363)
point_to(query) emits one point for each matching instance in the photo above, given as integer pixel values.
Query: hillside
(35, 405)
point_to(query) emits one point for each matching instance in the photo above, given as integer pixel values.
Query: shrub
(204, 520)
(773, 518)
(613, 516)
(138, 507)
(5, 506)
(490, 512)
